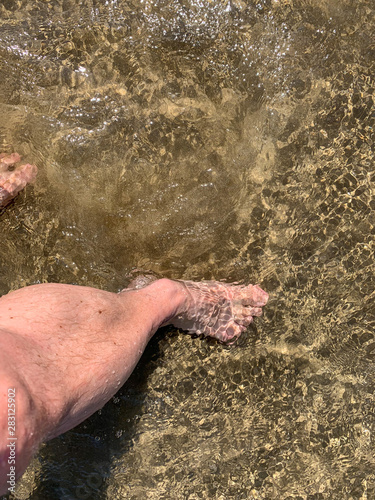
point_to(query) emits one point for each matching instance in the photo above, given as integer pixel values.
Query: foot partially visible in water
(210, 308)
(219, 310)
(13, 180)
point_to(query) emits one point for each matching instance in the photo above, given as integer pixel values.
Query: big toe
(254, 296)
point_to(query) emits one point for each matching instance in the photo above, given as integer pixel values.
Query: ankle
(170, 297)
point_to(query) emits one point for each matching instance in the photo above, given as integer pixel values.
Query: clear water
(218, 140)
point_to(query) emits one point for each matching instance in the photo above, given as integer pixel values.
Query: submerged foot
(13, 180)
(219, 310)
(209, 308)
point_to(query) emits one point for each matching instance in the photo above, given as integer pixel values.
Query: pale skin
(66, 350)
(13, 178)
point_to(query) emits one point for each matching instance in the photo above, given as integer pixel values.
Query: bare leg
(13, 181)
(66, 349)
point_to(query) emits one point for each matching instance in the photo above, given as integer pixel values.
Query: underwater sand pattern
(206, 140)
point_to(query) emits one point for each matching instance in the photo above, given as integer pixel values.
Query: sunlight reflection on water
(205, 140)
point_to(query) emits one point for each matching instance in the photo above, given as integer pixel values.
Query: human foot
(13, 181)
(219, 310)
(210, 308)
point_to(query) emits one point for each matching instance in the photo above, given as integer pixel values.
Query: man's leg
(65, 350)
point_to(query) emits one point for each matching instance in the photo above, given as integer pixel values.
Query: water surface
(205, 140)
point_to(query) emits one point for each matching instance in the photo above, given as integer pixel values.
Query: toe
(8, 160)
(244, 315)
(255, 311)
(245, 320)
(254, 296)
(232, 331)
(27, 172)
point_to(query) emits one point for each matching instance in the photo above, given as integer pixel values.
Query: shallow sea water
(205, 140)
